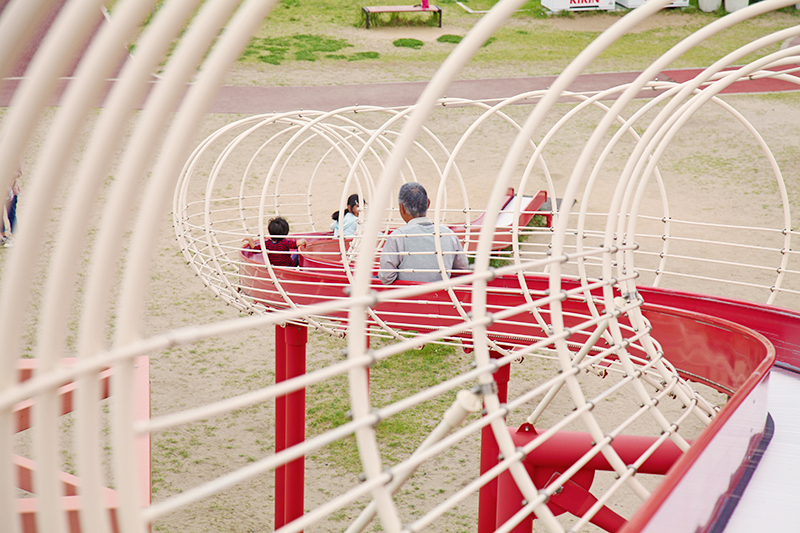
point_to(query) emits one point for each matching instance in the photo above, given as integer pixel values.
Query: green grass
(531, 39)
(300, 47)
(398, 377)
(455, 39)
(404, 20)
(307, 31)
(416, 44)
(358, 56)
(393, 379)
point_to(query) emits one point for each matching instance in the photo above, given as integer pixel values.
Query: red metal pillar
(487, 498)
(509, 502)
(296, 339)
(290, 422)
(367, 369)
(280, 426)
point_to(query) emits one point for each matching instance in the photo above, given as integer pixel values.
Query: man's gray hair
(414, 198)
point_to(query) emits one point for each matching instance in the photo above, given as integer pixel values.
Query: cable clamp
(520, 450)
(630, 296)
(543, 492)
(485, 389)
(377, 414)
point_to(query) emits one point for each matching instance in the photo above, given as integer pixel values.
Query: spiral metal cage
(555, 287)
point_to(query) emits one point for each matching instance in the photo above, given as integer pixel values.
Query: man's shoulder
(422, 225)
(409, 227)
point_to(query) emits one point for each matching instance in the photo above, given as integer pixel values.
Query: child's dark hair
(278, 227)
(352, 201)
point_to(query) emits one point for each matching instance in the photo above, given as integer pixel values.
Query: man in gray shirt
(410, 251)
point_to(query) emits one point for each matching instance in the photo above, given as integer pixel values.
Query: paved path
(251, 99)
(268, 99)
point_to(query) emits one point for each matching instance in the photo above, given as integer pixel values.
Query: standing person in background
(350, 222)
(8, 220)
(410, 251)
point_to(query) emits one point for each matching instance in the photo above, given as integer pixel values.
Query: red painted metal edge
(779, 325)
(752, 393)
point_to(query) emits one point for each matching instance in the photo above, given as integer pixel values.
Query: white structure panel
(630, 4)
(770, 500)
(577, 5)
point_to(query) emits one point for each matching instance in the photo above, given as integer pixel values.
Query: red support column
(487, 498)
(290, 422)
(509, 502)
(280, 426)
(296, 339)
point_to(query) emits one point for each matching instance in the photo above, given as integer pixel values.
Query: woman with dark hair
(279, 248)
(350, 222)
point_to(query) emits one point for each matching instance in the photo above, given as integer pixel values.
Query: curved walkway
(254, 100)
(327, 98)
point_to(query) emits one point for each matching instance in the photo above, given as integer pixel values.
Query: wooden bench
(402, 9)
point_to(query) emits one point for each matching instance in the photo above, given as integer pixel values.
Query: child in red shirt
(278, 247)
